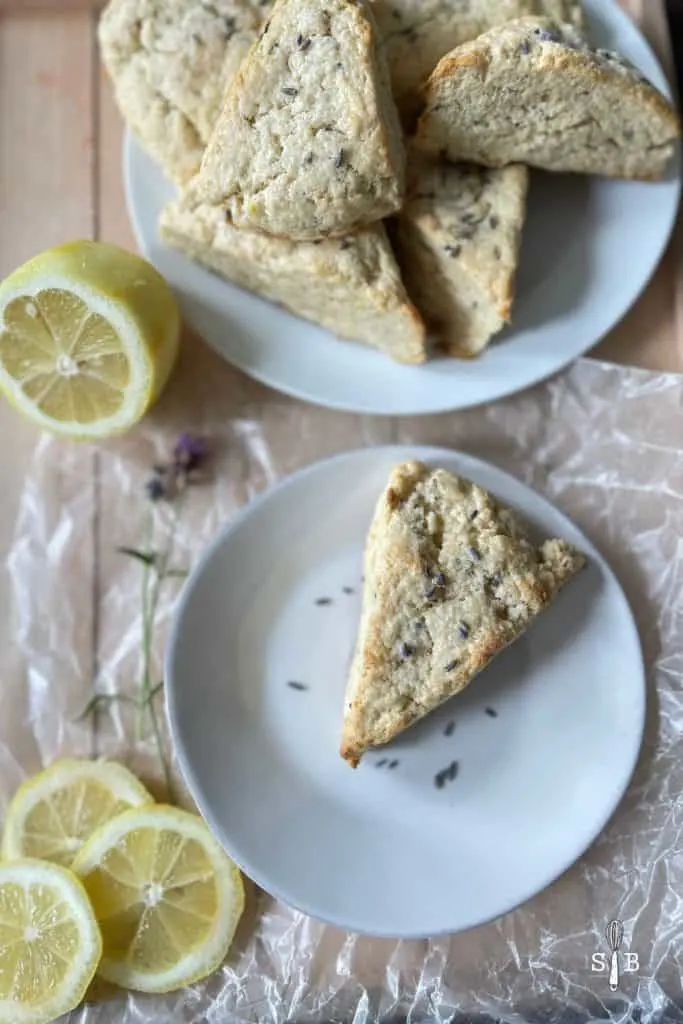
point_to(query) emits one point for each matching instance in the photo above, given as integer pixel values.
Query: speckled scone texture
(350, 286)
(309, 143)
(451, 579)
(458, 240)
(416, 34)
(533, 92)
(170, 62)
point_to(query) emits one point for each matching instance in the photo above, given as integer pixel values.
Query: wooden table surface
(60, 178)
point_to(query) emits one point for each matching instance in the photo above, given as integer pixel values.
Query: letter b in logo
(631, 963)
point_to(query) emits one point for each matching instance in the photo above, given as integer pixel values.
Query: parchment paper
(606, 445)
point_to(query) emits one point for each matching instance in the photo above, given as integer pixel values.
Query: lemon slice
(52, 813)
(88, 338)
(166, 897)
(50, 944)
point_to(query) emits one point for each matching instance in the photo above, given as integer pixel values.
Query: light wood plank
(45, 126)
(114, 223)
(651, 334)
(45, 198)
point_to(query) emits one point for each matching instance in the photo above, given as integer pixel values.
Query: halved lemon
(88, 338)
(166, 897)
(50, 943)
(53, 813)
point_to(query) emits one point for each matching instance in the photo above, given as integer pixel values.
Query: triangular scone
(533, 92)
(309, 144)
(451, 579)
(170, 62)
(458, 239)
(416, 34)
(350, 286)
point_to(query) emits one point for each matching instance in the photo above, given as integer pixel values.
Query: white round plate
(589, 249)
(381, 849)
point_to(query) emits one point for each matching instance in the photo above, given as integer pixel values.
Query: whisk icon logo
(617, 962)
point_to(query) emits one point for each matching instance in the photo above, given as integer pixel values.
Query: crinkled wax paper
(606, 444)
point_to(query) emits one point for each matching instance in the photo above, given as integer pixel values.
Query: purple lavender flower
(189, 452)
(171, 478)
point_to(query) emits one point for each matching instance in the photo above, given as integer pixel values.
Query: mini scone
(416, 34)
(350, 286)
(451, 579)
(457, 240)
(308, 144)
(170, 62)
(534, 92)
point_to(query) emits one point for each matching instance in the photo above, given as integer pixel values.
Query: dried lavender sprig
(169, 482)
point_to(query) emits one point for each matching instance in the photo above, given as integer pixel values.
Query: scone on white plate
(309, 144)
(458, 241)
(534, 92)
(350, 286)
(451, 579)
(170, 62)
(416, 34)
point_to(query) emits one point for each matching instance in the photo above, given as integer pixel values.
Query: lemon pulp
(67, 359)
